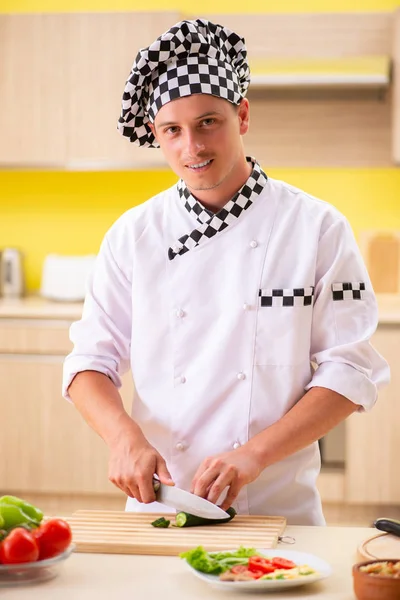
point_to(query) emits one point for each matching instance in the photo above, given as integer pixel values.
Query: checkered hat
(193, 57)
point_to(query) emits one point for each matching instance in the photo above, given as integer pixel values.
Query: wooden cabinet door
(46, 444)
(102, 48)
(33, 89)
(373, 439)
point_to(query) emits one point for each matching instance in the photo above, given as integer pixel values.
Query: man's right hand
(132, 464)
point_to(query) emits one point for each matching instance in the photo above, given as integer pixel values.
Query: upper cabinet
(33, 90)
(325, 90)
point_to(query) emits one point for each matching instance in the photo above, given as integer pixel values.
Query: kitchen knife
(388, 525)
(187, 502)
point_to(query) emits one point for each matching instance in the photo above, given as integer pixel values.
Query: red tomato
(255, 574)
(53, 538)
(259, 563)
(282, 563)
(20, 546)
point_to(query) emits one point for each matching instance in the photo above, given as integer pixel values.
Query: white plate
(300, 558)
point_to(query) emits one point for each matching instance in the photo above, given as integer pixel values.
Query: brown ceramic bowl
(375, 587)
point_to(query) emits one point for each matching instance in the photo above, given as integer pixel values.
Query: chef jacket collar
(210, 223)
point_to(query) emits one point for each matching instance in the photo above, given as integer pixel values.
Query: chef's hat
(193, 57)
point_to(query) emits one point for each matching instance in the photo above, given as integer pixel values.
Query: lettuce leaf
(215, 563)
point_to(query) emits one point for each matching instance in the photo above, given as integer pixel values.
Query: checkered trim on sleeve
(348, 291)
(210, 223)
(286, 297)
(193, 57)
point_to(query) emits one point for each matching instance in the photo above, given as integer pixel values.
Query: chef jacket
(226, 321)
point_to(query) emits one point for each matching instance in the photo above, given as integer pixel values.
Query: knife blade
(388, 525)
(187, 502)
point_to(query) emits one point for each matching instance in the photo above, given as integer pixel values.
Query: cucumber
(161, 522)
(183, 519)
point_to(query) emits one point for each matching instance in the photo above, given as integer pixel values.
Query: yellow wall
(68, 213)
(203, 6)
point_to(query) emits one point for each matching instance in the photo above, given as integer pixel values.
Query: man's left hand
(232, 469)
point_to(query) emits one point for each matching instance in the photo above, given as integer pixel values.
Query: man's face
(200, 136)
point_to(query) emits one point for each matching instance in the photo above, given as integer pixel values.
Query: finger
(206, 480)
(146, 489)
(163, 474)
(231, 496)
(222, 481)
(203, 467)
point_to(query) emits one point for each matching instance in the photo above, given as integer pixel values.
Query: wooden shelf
(349, 71)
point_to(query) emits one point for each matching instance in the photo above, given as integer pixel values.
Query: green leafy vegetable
(216, 563)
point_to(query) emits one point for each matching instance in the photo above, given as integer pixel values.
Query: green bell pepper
(13, 515)
(31, 511)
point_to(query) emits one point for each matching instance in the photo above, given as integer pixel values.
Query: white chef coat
(217, 350)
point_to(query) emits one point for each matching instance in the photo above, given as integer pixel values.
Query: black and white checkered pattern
(193, 57)
(286, 297)
(211, 223)
(348, 291)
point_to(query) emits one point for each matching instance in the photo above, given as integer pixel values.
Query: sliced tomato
(238, 569)
(283, 563)
(255, 574)
(259, 563)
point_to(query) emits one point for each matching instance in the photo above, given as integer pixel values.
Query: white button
(246, 306)
(241, 376)
(182, 379)
(179, 446)
(236, 445)
(176, 249)
(253, 244)
(180, 313)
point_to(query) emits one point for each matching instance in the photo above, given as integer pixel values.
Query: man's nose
(194, 145)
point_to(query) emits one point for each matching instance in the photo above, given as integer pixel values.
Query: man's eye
(172, 130)
(208, 121)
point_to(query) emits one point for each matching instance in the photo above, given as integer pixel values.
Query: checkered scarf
(193, 57)
(210, 223)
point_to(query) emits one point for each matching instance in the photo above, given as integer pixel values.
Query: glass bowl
(33, 572)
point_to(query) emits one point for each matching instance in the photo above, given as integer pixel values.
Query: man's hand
(232, 469)
(132, 464)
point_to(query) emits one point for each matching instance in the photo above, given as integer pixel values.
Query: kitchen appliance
(64, 278)
(119, 532)
(12, 281)
(184, 501)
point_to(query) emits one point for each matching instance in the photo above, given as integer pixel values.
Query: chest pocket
(284, 326)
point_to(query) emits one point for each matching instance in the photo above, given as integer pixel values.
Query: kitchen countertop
(36, 307)
(105, 576)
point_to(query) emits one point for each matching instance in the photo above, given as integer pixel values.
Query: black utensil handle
(388, 525)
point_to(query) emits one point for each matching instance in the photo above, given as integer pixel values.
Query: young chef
(240, 303)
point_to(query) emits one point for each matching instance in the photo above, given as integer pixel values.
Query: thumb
(163, 474)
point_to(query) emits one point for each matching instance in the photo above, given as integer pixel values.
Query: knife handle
(388, 525)
(156, 485)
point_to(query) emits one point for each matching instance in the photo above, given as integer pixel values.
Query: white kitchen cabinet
(47, 445)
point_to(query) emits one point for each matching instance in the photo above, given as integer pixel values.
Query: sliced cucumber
(161, 522)
(183, 519)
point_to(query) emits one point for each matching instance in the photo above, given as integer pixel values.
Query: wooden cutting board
(116, 532)
(381, 546)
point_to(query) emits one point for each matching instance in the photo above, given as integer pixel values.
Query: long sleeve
(102, 337)
(344, 319)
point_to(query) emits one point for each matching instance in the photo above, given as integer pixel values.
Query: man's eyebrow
(207, 114)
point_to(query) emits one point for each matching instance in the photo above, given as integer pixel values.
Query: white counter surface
(130, 577)
(38, 308)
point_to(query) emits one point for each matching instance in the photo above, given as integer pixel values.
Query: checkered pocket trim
(286, 297)
(348, 291)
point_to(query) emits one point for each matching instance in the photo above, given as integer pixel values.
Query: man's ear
(153, 129)
(244, 116)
